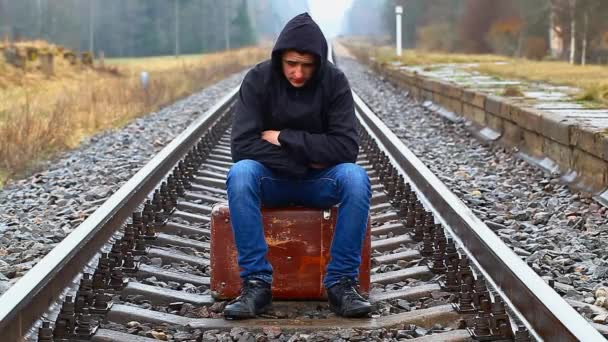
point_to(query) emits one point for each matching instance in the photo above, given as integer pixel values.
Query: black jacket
(317, 121)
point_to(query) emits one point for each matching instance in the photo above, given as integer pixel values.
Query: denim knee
(244, 175)
(353, 179)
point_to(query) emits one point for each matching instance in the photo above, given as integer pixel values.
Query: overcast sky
(329, 14)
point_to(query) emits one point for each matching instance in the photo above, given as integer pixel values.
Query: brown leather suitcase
(298, 241)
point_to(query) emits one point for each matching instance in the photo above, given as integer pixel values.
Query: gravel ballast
(38, 212)
(559, 233)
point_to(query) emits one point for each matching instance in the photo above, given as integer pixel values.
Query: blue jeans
(251, 184)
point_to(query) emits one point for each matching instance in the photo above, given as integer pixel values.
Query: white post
(227, 17)
(398, 12)
(176, 28)
(39, 17)
(572, 30)
(92, 27)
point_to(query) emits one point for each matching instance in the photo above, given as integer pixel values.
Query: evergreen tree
(242, 33)
(516, 27)
(4, 24)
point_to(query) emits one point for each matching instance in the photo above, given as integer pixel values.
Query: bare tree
(202, 23)
(556, 33)
(227, 17)
(572, 30)
(4, 25)
(39, 17)
(176, 21)
(133, 27)
(564, 16)
(585, 33)
(92, 26)
(593, 24)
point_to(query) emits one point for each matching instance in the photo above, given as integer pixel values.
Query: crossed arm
(293, 151)
(273, 138)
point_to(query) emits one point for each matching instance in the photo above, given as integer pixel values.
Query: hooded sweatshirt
(317, 121)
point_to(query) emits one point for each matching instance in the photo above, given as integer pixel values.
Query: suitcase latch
(326, 214)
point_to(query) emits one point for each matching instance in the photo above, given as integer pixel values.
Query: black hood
(317, 121)
(302, 34)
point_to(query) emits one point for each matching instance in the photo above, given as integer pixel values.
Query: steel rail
(544, 311)
(27, 300)
(547, 314)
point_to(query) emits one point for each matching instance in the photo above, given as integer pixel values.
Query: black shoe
(255, 298)
(345, 301)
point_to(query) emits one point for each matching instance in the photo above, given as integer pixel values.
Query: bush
(504, 35)
(597, 93)
(512, 91)
(535, 48)
(47, 116)
(436, 37)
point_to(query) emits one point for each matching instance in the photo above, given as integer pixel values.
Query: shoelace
(245, 290)
(349, 290)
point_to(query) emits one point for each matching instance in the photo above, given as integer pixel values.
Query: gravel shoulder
(38, 212)
(559, 233)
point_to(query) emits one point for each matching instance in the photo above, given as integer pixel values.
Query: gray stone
(272, 331)
(133, 324)
(247, 337)
(521, 215)
(521, 252)
(564, 279)
(404, 304)
(98, 193)
(563, 288)
(404, 334)
(182, 336)
(236, 333)
(541, 218)
(421, 332)
(346, 334)
(4, 286)
(600, 272)
(603, 318)
(156, 262)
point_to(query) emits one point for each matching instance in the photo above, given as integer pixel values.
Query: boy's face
(298, 68)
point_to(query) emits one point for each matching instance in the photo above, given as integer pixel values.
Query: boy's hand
(272, 137)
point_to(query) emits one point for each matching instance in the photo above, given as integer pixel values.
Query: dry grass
(15, 78)
(41, 116)
(416, 57)
(512, 91)
(591, 79)
(385, 54)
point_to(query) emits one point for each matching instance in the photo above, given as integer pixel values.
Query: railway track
(138, 268)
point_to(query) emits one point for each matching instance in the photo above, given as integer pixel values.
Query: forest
(573, 30)
(132, 28)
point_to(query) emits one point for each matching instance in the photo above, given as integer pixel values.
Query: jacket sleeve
(247, 127)
(340, 143)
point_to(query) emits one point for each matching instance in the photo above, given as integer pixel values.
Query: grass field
(591, 79)
(40, 116)
(416, 57)
(159, 62)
